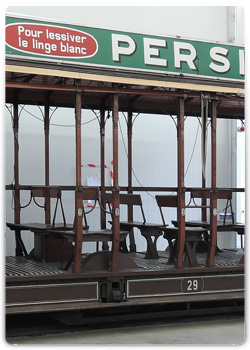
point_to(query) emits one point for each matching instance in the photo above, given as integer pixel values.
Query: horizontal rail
(134, 189)
(198, 206)
(113, 90)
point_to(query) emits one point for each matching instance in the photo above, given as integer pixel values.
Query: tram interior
(154, 161)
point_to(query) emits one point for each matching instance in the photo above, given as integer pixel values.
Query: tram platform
(33, 286)
(27, 267)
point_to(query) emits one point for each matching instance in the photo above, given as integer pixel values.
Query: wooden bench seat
(105, 235)
(192, 235)
(39, 226)
(222, 226)
(150, 231)
(46, 234)
(37, 195)
(32, 227)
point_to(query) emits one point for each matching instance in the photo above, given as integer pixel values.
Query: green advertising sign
(32, 39)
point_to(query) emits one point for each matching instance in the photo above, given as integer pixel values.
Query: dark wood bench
(103, 235)
(192, 235)
(237, 227)
(41, 243)
(205, 194)
(150, 231)
(43, 229)
(222, 225)
(63, 231)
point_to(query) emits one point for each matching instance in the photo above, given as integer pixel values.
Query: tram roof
(147, 93)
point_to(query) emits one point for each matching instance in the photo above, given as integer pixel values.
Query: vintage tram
(56, 275)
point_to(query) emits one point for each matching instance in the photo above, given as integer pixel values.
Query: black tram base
(35, 287)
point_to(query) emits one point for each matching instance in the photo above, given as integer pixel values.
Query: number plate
(190, 285)
(184, 285)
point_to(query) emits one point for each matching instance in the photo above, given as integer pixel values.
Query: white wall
(200, 22)
(154, 161)
(154, 137)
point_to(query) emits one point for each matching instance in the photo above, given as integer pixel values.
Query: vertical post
(102, 156)
(213, 201)
(203, 133)
(115, 192)
(129, 131)
(78, 197)
(130, 207)
(46, 133)
(181, 189)
(16, 175)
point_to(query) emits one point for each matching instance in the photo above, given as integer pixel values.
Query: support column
(213, 200)
(47, 181)
(105, 245)
(16, 176)
(181, 189)
(102, 163)
(115, 192)
(130, 208)
(78, 197)
(204, 116)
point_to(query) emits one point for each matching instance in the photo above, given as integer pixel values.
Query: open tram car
(55, 275)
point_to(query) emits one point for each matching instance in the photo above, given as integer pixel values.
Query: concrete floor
(220, 332)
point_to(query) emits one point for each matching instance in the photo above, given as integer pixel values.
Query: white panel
(240, 25)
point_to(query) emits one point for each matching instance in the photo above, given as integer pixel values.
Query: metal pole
(130, 190)
(105, 245)
(102, 156)
(181, 189)
(213, 201)
(78, 197)
(115, 192)
(16, 176)
(46, 132)
(203, 134)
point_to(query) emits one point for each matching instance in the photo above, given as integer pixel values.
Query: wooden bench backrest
(129, 200)
(90, 193)
(49, 192)
(166, 202)
(46, 191)
(201, 194)
(86, 193)
(220, 194)
(225, 194)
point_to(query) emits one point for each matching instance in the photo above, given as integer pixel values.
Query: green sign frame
(95, 47)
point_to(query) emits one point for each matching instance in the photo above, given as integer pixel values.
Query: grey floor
(204, 332)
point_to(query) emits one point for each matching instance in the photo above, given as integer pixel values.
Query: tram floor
(212, 330)
(20, 266)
